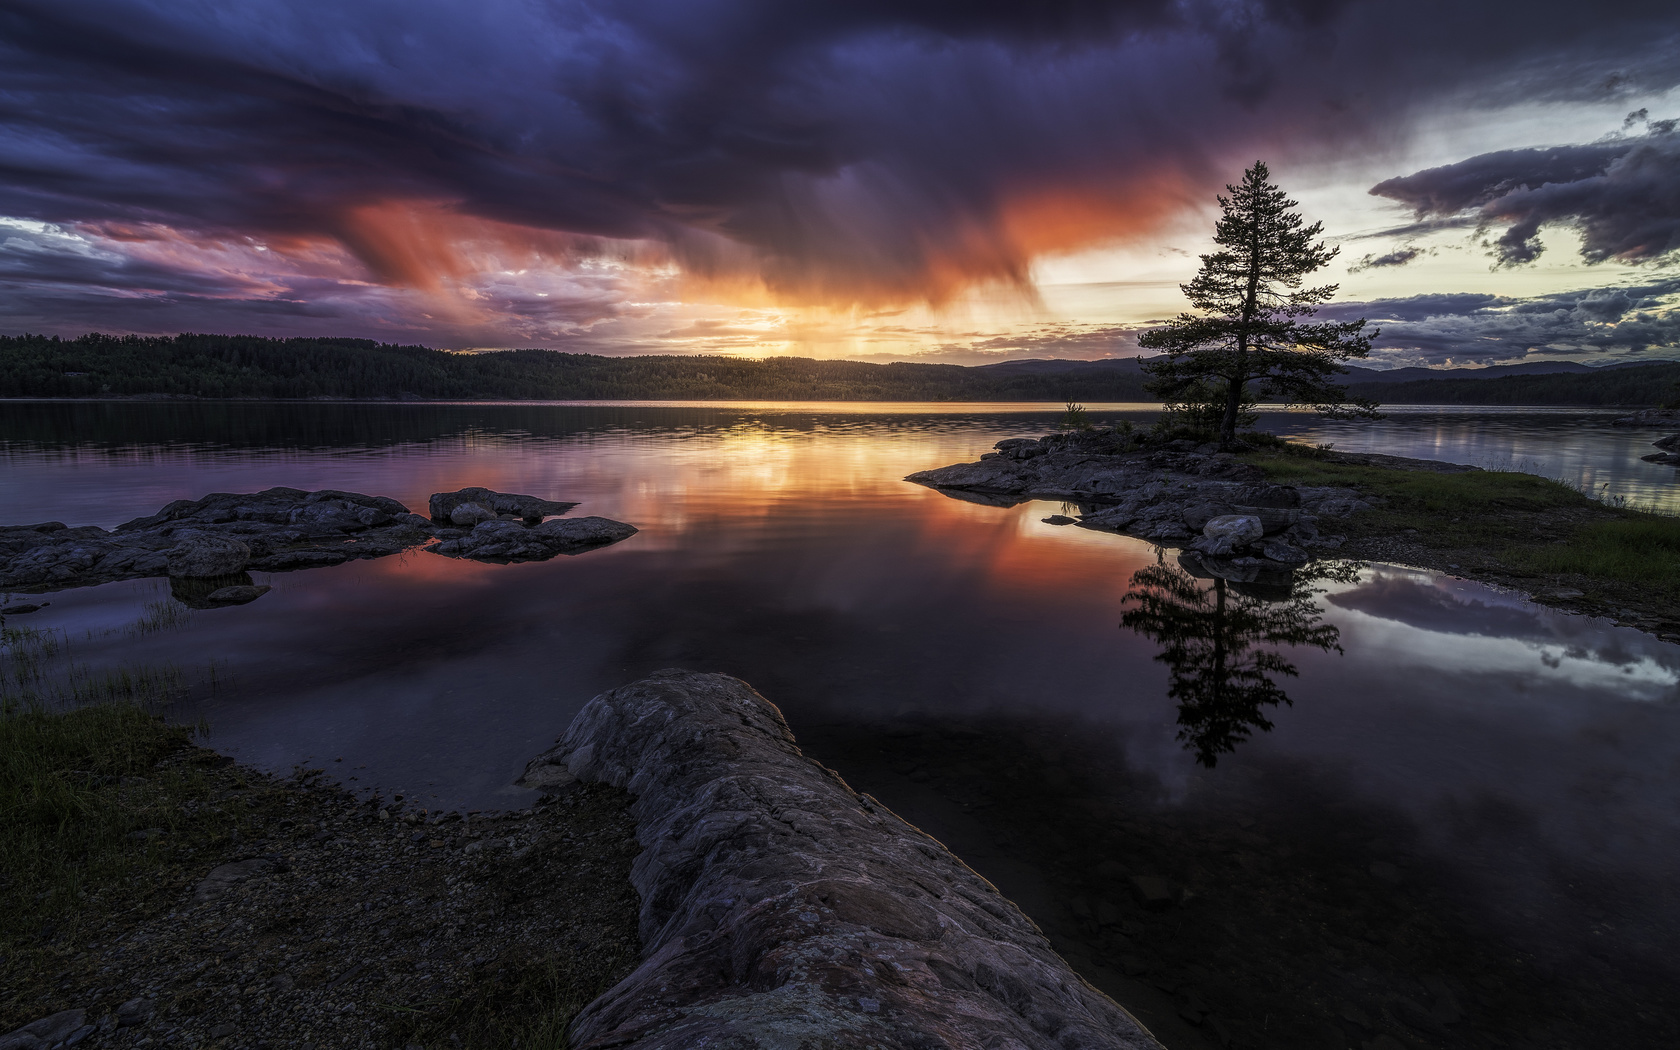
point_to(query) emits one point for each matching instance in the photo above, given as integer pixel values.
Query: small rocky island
(207, 546)
(1179, 493)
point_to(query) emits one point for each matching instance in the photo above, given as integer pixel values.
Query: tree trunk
(1233, 404)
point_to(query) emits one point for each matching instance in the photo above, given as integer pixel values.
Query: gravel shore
(340, 922)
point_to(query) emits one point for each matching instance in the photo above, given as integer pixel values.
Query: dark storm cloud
(1464, 328)
(1623, 195)
(1397, 257)
(837, 152)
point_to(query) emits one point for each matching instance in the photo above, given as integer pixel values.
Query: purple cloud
(1623, 195)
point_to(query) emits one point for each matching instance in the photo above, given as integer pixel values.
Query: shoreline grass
(1512, 528)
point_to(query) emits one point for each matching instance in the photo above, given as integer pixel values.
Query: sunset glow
(931, 183)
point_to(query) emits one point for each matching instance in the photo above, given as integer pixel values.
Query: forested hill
(1653, 384)
(216, 366)
(247, 366)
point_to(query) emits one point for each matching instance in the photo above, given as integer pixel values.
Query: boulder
(225, 876)
(466, 515)
(529, 508)
(206, 554)
(1285, 552)
(781, 908)
(1226, 533)
(65, 1028)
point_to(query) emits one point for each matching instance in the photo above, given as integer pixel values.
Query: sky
(921, 180)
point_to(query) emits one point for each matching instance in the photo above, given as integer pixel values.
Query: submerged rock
(781, 908)
(202, 554)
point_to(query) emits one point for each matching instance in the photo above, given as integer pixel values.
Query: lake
(1461, 828)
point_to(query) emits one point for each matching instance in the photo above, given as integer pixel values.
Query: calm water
(1465, 753)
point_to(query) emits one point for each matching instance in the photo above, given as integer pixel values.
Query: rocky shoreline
(208, 546)
(1221, 511)
(777, 906)
(335, 921)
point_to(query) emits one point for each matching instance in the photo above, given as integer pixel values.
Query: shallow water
(1498, 759)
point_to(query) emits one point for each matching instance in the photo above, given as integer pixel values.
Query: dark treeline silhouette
(221, 366)
(247, 366)
(1653, 384)
(118, 425)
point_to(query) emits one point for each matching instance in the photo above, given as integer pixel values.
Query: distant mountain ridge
(220, 366)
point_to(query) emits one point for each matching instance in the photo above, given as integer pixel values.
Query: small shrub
(1074, 418)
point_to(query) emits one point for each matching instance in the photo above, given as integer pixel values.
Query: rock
(222, 1031)
(1197, 515)
(1287, 553)
(203, 554)
(546, 776)
(510, 541)
(780, 908)
(213, 540)
(467, 515)
(1672, 442)
(1163, 494)
(238, 594)
(51, 1031)
(225, 877)
(1060, 519)
(1650, 417)
(530, 508)
(22, 608)
(134, 1012)
(1226, 533)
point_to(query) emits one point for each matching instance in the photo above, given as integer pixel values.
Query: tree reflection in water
(1219, 636)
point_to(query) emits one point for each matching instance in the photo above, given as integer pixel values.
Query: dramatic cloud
(1397, 257)
(1623, 195)
(1636, 322)
(827, 153)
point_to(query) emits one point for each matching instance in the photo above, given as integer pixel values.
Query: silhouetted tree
(1215, 640)
(1250, 329)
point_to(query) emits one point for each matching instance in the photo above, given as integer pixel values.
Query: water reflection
(1220, 643)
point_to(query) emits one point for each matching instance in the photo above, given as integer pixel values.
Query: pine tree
(1251, 329)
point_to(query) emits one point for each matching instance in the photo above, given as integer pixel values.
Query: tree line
(218, 366)
(222, 366)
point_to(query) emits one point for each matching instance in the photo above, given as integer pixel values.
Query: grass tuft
(1639, 549)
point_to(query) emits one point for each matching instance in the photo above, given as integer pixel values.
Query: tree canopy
(1252, 331)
